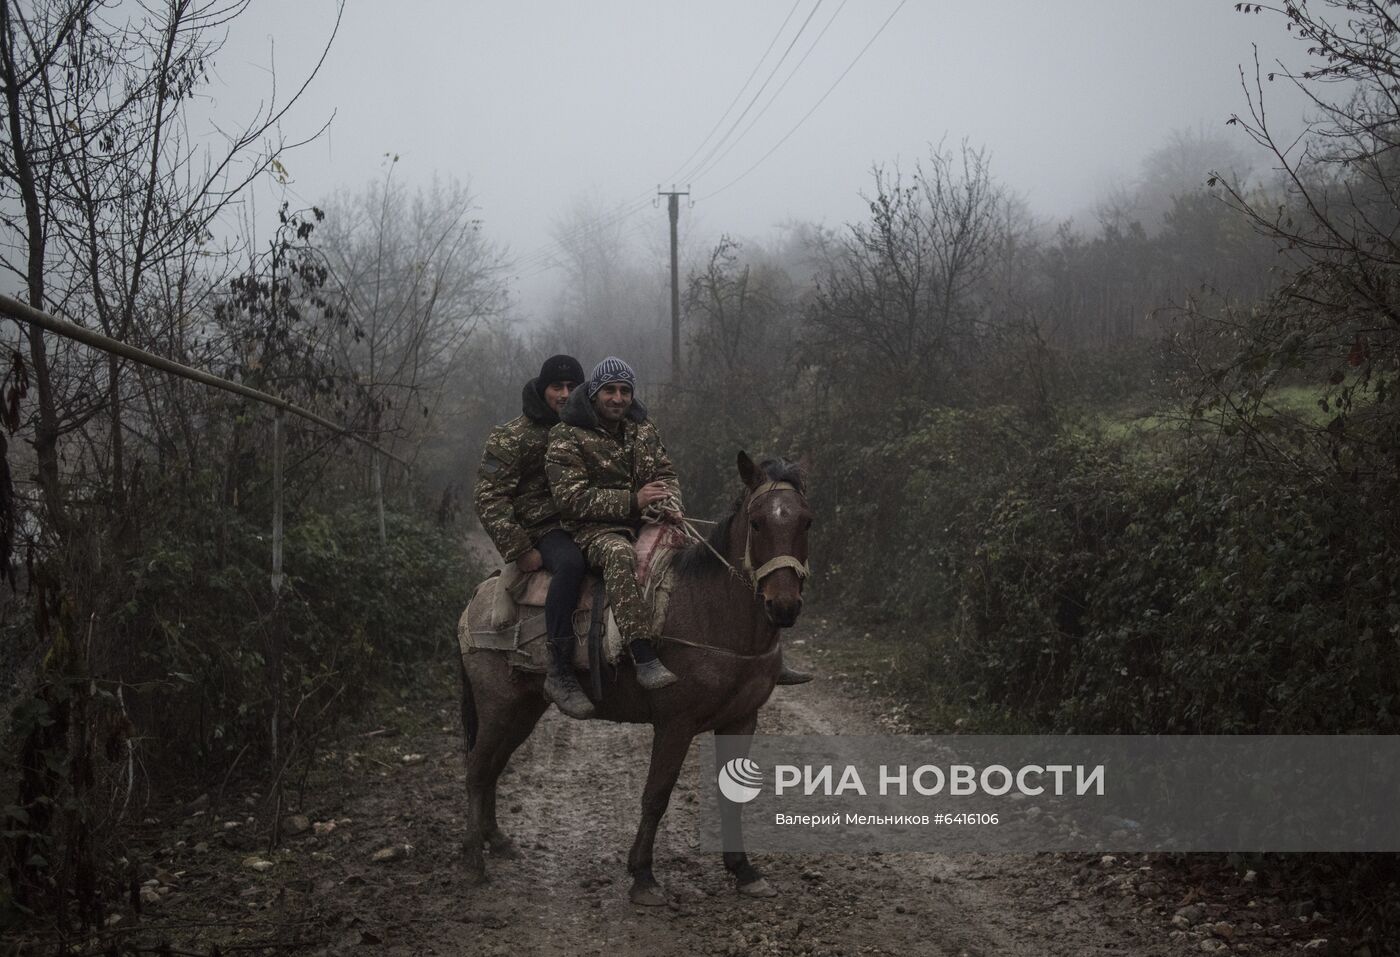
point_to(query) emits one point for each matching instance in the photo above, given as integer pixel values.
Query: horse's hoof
(758, 888)
(473, 864)
(648, 895)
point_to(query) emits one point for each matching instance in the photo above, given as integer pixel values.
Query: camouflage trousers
(617, 558)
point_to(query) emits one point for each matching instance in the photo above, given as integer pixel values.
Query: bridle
(780, 561)
(750, 574)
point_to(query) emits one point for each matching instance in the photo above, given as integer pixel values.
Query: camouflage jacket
(595, 474)
(512, 493)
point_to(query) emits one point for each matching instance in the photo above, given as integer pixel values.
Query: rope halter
(780, 561)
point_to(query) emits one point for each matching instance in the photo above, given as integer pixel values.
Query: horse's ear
(747, 470)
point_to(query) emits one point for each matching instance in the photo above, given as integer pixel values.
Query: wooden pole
(21, 312)
(275, 657)
(379, 498)
(673, 211)
(673, 208)
(277, 528)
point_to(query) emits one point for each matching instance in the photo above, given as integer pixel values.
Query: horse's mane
(696, 561)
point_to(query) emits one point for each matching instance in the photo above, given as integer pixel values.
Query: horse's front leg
(747, 879)
(669, 744)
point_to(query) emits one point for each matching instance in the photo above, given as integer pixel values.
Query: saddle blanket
(507, 611)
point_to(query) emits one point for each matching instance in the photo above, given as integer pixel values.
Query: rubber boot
(561, 685)
(651, 673)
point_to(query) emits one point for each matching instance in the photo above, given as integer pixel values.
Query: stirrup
(653, 675)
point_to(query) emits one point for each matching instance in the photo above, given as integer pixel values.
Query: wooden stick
(20, 312)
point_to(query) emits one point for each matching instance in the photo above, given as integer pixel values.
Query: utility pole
(673, 206)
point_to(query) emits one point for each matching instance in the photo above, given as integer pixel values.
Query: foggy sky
(541, 104)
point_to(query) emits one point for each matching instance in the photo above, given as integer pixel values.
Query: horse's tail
(470, 722)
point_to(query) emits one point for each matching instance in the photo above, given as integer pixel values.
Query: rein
(716, 649)
(695, 536)
(749, 575)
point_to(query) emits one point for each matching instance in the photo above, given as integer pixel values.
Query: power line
(774, 98)
(819, 102)
(539, 260)
(769, 79)
(752, 73)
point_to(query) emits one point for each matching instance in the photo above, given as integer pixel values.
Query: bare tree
(1336, 316)
(905, 295)
(106, 211)
(419, 279)
(738, 312)
(615, 299)
(113, 190)
(1178, 167)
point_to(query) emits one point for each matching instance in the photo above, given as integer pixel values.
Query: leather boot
(789, 676)
(651, 673)
(561, 685)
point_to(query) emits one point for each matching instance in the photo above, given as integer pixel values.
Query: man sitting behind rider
(606, 465)
(516, 509)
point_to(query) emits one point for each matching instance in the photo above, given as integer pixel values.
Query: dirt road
(570, 802)
(570, 799)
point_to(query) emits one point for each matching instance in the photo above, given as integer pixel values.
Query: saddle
(506, 614)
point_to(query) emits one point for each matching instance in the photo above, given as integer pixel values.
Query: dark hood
(534, 407)
(579, 410)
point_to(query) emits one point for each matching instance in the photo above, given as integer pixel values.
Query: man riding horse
(607, 468)
(516, 509)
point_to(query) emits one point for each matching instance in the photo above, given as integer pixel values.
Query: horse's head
(776, 517)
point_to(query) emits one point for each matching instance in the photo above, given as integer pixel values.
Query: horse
(721, 638)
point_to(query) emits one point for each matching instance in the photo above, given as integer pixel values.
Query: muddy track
(570, 799)
(571, 802)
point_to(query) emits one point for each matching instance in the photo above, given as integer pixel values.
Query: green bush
(206, 636)
(1105, 594)
(894, 507)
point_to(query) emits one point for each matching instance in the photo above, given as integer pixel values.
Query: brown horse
(722, 639)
